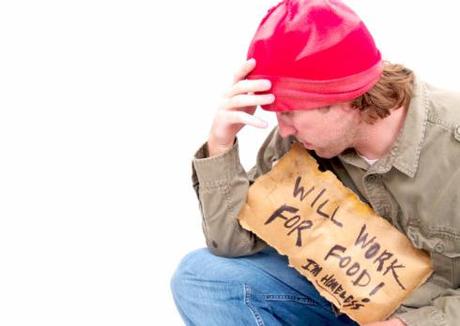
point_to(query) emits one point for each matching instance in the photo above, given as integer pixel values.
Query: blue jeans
(253, 290)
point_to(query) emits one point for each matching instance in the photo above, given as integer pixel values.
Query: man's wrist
(215, 149)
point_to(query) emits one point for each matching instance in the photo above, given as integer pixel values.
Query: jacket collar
(406, 151)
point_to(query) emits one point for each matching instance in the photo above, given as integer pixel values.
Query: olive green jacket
(416, 187)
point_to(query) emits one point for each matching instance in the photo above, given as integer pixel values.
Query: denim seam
(247, 294)
(289, 297)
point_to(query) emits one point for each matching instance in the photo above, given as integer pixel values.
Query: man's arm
(219, 180)
(221, 185)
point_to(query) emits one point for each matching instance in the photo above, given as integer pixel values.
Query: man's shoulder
(443, 106)
(443, 125)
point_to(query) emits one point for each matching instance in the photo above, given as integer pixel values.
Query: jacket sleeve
(444, 310)
(221, 185)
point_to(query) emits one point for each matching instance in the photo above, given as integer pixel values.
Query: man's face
(328, 131)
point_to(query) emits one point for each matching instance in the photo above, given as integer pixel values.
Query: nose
(285, 127)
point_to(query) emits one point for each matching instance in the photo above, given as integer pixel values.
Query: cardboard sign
(354, 258)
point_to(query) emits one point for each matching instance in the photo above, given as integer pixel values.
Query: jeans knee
(186, 271)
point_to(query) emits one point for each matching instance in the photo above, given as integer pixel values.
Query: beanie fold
(302, 94)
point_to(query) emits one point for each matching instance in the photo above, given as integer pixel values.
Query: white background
(102, 105)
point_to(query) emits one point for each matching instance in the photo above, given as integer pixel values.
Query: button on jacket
(416, 187)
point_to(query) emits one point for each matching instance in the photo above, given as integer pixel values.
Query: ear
(348, 109)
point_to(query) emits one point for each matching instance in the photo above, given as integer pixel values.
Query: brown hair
(393, 90)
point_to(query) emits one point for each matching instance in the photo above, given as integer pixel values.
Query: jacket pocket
(447, 267)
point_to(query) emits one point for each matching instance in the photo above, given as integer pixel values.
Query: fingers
(248, 86)
(241, 94)
(245, 118)
(244, 70)
(245, 100)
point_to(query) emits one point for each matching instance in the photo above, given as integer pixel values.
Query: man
(388, 136)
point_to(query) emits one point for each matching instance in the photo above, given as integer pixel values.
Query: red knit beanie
(315, 53)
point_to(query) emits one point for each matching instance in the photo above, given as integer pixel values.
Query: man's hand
(237, 108)
(390, 322)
